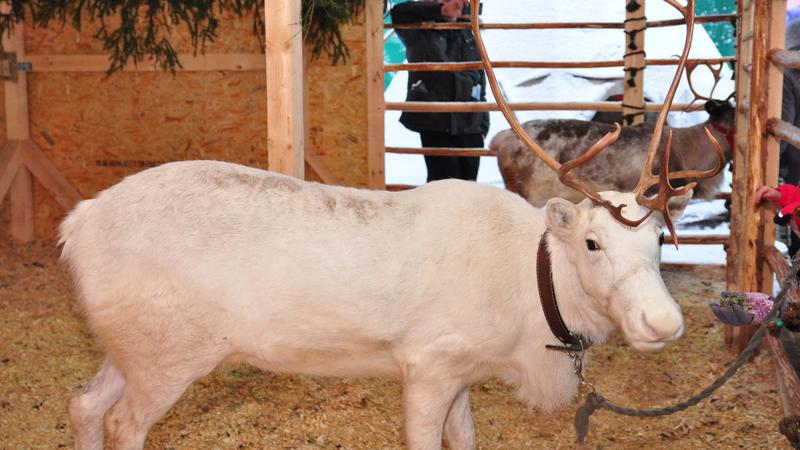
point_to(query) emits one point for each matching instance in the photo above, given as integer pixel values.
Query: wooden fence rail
(784, 131)
(559, 25)
(432, 151)
(529, 106)
(477, 65)
(789, 59)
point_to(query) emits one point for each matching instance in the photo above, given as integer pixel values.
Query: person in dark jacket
(790, 111)
(450, 130)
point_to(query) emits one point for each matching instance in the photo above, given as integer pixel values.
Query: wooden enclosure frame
(285, 69)
(633, 98)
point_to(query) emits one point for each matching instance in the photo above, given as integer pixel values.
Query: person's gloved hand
(734, 315)
(742, 308)
(768, 194)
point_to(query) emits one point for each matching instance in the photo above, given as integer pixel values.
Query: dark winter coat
(459, 86)
(790, 156)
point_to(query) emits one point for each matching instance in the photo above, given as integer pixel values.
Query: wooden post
(17, 131)
(633, 84)
(756, 154)
(788, 381)
(376, 107)
(284, 41)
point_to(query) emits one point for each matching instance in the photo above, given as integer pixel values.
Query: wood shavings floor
(46, 352)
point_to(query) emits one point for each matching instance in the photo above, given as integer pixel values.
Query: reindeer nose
(662, 325)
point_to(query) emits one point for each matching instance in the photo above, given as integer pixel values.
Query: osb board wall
(98, 129)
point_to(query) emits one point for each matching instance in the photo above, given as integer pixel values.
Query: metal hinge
(9, 66)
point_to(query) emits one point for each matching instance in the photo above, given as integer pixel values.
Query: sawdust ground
(46, 352)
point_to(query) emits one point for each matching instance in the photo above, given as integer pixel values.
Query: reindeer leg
(459, 429)
(426, 402)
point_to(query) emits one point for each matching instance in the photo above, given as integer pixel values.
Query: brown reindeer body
(616, 168)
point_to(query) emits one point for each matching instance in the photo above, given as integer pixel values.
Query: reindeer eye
(661, 239)
(593, 246)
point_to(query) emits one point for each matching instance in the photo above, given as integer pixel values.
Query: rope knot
(594, 401)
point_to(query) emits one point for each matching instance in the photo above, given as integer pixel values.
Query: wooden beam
(788, 382)
(739, 206)
(16, 92)
(284, 66)
(442, 151)
(189, 62)
(532, 106)
(10, 162)
(755, 156)
(18, 129)
(703, 239)
(376, 104)
(446, 67)
(22, 206)
(776, 38)
(50, 177)
(685, 266)
(559, 25)
(789, 59)
(784, 131)
(319, 167)
(633, 80)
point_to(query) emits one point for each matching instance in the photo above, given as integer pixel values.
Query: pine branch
(134, 30)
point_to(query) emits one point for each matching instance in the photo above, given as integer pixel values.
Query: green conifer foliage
(132, 30)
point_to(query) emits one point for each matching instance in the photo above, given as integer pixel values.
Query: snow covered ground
(584, 85)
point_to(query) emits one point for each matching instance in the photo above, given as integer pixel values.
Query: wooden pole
(744, 50)
(789, 59)
(447, 67)
(633, 84)
(532, 106)
(284, 66)
(756, 154)
(788, 381)
(17, 131)
(784, 131)
(441, 151)
(559, 25)
(376, 105)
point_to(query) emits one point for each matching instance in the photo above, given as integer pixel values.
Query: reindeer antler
(716, 72)
(571, 180)
(647, 180)
(658, 203)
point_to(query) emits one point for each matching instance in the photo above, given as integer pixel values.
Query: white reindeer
(190, 264)
(187, 265)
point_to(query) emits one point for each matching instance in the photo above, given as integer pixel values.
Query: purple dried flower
(759, 305)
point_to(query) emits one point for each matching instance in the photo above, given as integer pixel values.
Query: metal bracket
(8, 66)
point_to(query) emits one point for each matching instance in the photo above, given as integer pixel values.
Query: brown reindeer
(618, 168)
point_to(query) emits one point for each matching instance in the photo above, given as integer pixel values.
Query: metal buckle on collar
(568, 348)
(575, 352)
(576, 347)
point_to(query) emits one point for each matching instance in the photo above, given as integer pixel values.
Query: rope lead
(595, 401)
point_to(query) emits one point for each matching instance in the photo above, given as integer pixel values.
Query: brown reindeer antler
(716, 72)
(648, 180)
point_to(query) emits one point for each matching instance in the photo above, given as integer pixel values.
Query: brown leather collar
(547, 295)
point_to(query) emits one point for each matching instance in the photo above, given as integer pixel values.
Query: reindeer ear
(678, 204)
(712, 107)
(562, 216)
